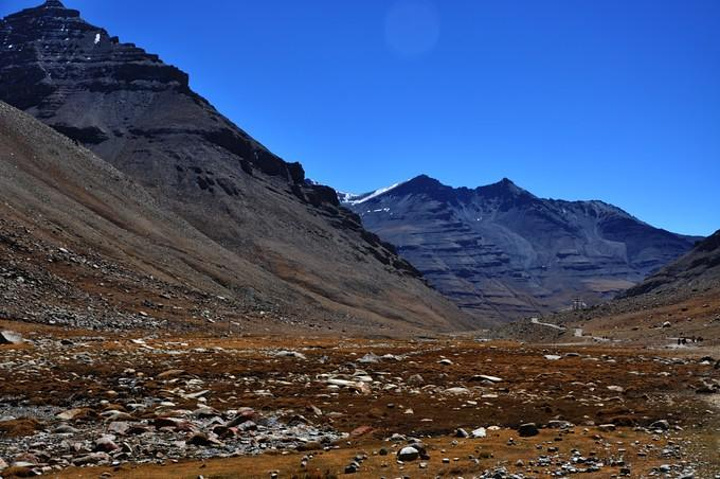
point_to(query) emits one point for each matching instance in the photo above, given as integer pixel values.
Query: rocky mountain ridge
(499, 251)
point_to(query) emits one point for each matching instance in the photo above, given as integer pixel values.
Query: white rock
(10, 337)
(457, 390)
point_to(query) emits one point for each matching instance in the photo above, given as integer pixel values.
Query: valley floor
(86, 404)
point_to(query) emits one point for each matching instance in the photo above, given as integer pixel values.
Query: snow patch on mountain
(353, 199)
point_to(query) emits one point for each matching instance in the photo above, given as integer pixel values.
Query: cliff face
(140, 115)
(499, 251)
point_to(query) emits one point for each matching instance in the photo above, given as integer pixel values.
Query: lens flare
(412, 27)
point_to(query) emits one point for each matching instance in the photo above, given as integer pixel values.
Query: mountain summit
(499, 251)
(140, 115)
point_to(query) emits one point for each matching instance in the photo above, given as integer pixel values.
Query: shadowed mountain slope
(697, 270)
(290, 241)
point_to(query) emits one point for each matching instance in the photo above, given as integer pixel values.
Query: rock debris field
(88, 404)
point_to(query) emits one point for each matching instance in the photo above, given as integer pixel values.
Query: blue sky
(616, 100)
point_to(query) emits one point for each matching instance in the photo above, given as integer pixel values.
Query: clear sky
(616, 100)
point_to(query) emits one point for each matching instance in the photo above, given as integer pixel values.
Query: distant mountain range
(501, 252)
(267, 235)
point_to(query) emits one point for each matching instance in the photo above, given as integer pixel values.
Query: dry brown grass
(533, 389)
(490, 451)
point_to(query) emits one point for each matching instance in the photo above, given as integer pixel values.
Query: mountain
(260, 222)
(699, 269)
(501, 252)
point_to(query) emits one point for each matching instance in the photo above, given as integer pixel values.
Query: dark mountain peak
(53, 4)
(506, 181)
(56, 63)
(49, 9)
(503, 188)
(423, 181)
(422, 184)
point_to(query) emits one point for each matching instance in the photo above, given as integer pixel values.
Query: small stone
(65, 429)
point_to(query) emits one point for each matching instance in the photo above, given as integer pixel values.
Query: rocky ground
(89, 404)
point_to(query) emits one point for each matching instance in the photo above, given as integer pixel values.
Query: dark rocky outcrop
(499, 251)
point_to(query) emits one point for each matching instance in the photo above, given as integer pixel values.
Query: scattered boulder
(171, 373)
(361, 431)
(558, 424)
(528, 430)
(457, 391)
(75, 414)
(661, 425)
(203, 440)
(369, 358)
(408, 453)
(415, 380)
(485, 377)
(106, 444)
(10, 337)
(461, 433)
(289, 354)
